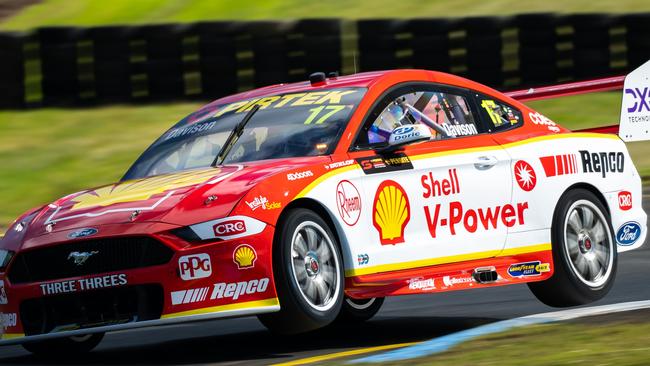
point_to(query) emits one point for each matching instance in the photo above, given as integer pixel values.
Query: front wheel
(65, 347)
(584, 252)
(308, 272)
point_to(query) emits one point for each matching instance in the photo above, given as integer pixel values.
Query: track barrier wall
(72, 66)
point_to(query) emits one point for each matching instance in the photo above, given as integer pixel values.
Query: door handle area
(485, 162)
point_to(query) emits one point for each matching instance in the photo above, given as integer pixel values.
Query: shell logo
(141, 189)
(391, 212)
(244, 256)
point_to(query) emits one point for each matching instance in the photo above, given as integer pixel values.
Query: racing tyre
(65, 347)
(308, 271)
(357, 311)
(584, 252)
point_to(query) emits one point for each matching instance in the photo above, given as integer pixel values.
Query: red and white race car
(310, 202)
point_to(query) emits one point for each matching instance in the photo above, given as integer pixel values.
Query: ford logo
(628, 233)
(82, 233)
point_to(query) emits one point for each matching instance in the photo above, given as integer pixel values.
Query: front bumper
(205, 280)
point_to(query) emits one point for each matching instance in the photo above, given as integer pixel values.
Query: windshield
(285, 125)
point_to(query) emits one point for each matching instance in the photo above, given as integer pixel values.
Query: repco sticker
(235, 290)
(348, 202)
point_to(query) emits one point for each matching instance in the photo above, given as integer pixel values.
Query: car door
(446, 200)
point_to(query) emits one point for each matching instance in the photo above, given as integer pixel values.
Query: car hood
(178, 199)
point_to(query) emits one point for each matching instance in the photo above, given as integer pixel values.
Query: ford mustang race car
(309, 203)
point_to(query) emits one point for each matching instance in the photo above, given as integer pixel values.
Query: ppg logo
(640, 100)
(232, 227)
(195, 266)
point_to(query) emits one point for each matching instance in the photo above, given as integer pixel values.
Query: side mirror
(407, 135)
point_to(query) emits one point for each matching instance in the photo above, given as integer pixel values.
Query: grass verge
(619, 339)
(92, 12)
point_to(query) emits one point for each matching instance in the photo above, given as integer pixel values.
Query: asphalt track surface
(402, 319)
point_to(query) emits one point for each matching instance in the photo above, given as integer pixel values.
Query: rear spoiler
(634, 124)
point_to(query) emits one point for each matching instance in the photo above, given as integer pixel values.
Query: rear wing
(634, 123)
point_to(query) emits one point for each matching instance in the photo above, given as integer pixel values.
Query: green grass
(593, 343)
(48, 153)
(93, 12)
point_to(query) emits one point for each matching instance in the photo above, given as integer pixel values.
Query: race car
(309, 203)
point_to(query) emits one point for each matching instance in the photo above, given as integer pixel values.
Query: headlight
(5, 257)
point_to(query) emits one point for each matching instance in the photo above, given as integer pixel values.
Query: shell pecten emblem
(141, 190)
(244, 256)
(391, 212)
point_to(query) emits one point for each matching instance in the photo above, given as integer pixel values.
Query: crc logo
(348, 202)
(232, 227)
(640, 97)
(82, 233)
(624, 200)
(3, 294)
(195, 266)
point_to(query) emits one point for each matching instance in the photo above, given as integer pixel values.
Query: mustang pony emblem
(80, 258)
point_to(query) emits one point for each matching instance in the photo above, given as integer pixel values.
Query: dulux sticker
(628, 233)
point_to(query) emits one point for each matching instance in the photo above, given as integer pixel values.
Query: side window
(498, 115)
(448, 115)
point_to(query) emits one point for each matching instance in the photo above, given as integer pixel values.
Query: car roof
(360, 80)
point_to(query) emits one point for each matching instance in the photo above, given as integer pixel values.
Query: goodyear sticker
(534, 268)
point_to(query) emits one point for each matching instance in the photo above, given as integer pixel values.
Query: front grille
(110, 255)
(91, 309)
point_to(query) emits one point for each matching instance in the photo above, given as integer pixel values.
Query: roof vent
(333, 75)
(317, 78)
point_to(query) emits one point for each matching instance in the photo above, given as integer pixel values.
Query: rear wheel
(308, 272)
(65, 347)
(584, 252)
(356, 311)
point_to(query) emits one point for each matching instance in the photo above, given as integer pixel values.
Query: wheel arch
(325, 214)
(591, 188)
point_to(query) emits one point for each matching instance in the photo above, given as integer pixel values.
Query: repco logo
(235, 290)
(195, 266)
(602, 162)
(232, 227)
(624, 200)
